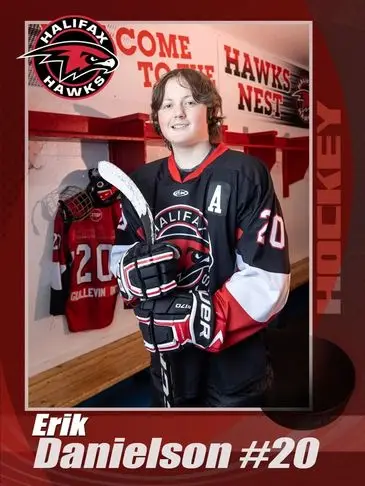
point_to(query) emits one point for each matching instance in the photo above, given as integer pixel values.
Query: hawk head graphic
(302, 99)
(194, 263)
(187, 228)
(75, 58)
(302, 96)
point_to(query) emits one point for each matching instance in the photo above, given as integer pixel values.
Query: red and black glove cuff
(177, 320)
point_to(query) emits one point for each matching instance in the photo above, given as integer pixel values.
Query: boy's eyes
(186, 103)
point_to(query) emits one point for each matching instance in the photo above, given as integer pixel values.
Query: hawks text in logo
(73, 57)
(302, 98)
(187, 228)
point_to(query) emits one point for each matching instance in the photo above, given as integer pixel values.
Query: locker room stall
(262, 73)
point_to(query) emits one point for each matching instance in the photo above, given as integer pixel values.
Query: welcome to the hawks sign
(279, 92)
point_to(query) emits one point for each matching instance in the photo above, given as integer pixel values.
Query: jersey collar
(175, 173)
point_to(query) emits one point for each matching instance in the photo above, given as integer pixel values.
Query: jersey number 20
(277, 233)
(103, 274)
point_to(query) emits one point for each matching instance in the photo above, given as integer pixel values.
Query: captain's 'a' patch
(218, 197)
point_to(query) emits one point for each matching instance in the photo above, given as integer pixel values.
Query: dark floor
(288, 344)
(134, 392)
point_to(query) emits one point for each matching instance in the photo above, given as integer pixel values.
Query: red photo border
(338, 36)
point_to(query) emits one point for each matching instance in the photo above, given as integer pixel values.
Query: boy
(219, 271)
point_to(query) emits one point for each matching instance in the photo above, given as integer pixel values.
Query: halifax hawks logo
(186, 227)
(73, 57)
(302, 100)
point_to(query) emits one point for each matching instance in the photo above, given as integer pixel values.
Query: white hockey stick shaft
(119, 179)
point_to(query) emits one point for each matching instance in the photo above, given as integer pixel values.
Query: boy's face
(182, 120)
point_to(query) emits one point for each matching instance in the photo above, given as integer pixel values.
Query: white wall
(53, 165)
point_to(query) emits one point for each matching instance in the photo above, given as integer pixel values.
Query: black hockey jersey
(83, 287)
(227, 221)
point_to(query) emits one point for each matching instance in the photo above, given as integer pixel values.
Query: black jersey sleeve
(259, 288)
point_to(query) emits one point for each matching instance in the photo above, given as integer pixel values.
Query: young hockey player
(219, 271)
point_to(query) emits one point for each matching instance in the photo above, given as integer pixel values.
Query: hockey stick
(115, 176)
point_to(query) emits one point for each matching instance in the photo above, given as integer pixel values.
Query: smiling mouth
(179, 126)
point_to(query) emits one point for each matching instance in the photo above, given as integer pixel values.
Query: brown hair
(203, 91)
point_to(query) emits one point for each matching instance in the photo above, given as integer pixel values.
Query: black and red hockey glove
(174, 321)
(148, 271)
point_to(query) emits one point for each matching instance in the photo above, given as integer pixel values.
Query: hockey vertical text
(328, 208)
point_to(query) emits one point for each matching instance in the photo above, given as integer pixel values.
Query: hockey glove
(148, 271)
(177, 320)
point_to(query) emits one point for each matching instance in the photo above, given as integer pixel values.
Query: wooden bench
(72, 382)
